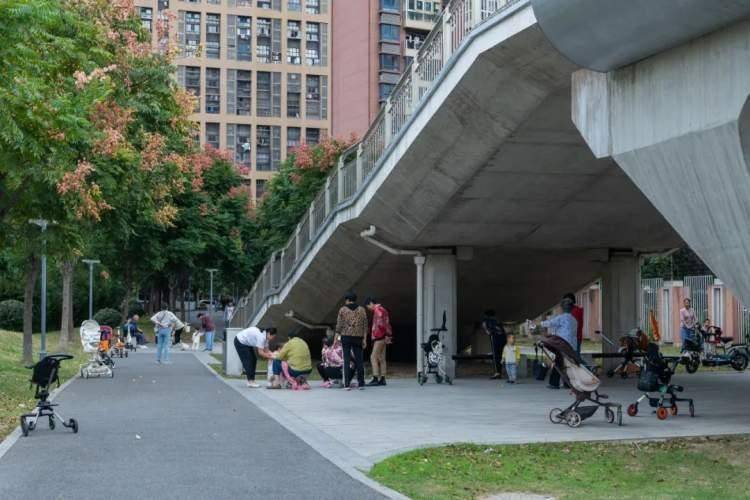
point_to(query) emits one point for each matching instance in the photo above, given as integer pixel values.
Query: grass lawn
(679, 469)
(15, 395)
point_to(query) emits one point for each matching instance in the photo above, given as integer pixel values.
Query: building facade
(373, 43)
(260, 70)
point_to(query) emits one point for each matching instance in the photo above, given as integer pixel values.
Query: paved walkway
(168, 432)
(366, 426)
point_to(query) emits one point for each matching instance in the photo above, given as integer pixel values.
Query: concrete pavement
(370, 425)
(168, 432)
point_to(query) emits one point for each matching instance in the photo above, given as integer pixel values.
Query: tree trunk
(68, 268)
(125, 306)
(32, 273)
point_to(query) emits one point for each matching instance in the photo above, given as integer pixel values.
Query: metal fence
(650, 289)
(699, 287)
(358, 164)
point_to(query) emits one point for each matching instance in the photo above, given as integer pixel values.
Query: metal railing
(357, 164)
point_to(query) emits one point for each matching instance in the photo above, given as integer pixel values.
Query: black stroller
(434, 357)
(656, 377)
(583, 384)
(44, 375)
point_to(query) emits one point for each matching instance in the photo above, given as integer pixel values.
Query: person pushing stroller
(565, 326)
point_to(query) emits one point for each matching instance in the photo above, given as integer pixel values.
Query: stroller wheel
(610, 373)
(52, 423)
(573, 419)
(633, 410)
(691, 409)
(438, 378)
(555, 416)
(73, 423)
(421, 378)
(111, 373)
(673, 409)
(624, 374)
(662, 413)
(24, 427)
(609, 415)
(448, 380)
(126, 354)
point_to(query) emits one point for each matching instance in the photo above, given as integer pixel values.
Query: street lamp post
(211, 291)
(91, 263)
(43, 223)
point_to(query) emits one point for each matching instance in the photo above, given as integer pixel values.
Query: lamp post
(91, 263)
(211, 290)
(43, 223)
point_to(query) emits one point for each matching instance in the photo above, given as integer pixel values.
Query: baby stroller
(45, 373)
(118, 349)
(656, 378)
(434, 358)
(632, 347)
(583, 384)
(100, 364)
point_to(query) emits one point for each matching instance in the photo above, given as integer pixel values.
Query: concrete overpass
(527, 151)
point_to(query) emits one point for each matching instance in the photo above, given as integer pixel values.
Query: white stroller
(98, 365)
(434, 357)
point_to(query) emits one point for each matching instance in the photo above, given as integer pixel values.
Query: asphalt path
(164, 432)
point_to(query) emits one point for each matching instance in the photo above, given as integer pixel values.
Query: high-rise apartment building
(260, 70)
(373, 42)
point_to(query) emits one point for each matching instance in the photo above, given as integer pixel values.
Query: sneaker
(382, 381)
(253, 385)
(495, 376)
(374, 381)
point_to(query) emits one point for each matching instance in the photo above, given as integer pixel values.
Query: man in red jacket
(381, 336)
(577, 313)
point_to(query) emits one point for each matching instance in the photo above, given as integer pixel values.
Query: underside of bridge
(497, 173)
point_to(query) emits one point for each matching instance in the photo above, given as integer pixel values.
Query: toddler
(511, 355)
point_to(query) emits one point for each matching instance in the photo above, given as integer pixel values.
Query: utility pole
(91, 263)
(211, 291)
(43, 223)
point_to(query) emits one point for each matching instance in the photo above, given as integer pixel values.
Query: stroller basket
(586, 411)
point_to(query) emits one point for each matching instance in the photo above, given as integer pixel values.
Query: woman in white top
(249, 344)
(687, 323)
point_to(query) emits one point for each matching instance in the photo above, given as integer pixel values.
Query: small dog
(196, 340)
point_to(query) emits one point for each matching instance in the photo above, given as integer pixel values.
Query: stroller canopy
(90, 335)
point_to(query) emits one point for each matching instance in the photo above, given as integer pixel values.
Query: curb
(7, 443)
(339, 455)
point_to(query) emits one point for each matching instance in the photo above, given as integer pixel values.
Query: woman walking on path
(351, 326)
(249, 344)
(687, 322)
(164, 324)
(382, 334)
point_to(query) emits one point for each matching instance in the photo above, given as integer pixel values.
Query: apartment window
(244, 92)
(147, 17)
(293, 95)
(294, 5)
(192, 83)
(312, 136)
(239, 39)
(294, 42)
(263, 43)
(316, 93)
(163, 4)
(260, 188)
(212, 135)
(418, 10)
(390, 32)
(268, 93)
(264, 4)
(389, 62)
(312, 47)
(263, 148)
(239, 139)
(192, 36)
(213, 36)
(293, 137)
(414, 40)
(312, 6)
(214, 2)
(241, 3)
(213, 90)
(389, 5)
(385, 90)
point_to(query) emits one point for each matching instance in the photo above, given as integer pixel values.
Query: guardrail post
(282, 271)
(447, 33)
(476, 13)
(360, 166)
(327, 191)
(388, 121)
(311, 225)
(273, 267)
(340, 180)
(297, 246)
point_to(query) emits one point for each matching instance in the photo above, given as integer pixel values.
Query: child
(511, 356)
(332, 360)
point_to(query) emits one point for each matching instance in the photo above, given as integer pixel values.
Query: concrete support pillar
(678, 124)
(232, 363)
(620, 301)
(440, 294)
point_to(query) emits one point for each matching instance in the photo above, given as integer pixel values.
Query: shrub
(11, 315)
(108, 316)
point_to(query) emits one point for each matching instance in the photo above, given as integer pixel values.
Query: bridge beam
(678, 124)
(621, 286)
